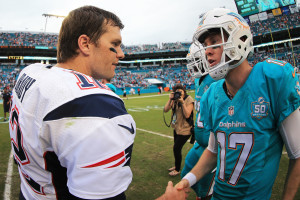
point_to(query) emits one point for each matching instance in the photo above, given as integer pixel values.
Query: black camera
(176, 96)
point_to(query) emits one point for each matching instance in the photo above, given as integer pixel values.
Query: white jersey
(71, 135)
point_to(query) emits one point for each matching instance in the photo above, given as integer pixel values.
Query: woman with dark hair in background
(182, 106)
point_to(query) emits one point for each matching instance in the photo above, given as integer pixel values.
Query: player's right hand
(183, 185)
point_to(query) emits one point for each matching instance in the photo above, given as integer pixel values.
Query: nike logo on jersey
(131, 130)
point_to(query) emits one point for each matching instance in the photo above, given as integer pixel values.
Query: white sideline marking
(154, 133)
(7, 187)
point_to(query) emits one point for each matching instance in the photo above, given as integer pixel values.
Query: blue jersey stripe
(95, 105)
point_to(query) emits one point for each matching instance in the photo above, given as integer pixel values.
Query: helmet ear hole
(239, 46)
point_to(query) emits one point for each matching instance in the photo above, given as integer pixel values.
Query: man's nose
(120, 54)
(209, 51)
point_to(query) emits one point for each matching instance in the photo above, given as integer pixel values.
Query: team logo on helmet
(260, 108)
(238, 16)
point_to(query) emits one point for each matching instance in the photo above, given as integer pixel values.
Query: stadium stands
(168, 73)
(28, 39)
(278, 23)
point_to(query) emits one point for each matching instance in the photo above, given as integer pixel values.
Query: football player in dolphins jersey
(203, 187)
(250, 114)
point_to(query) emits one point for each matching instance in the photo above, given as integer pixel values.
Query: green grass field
(152, 154)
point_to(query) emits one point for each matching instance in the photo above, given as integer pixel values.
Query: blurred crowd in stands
(283, 53)
(169, 74)
(50, 40)
(8, 75)
(278, 23)
(28, 39)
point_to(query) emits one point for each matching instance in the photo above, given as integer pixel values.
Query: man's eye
(214, 42)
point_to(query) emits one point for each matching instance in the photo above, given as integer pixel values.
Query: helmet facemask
(219, 70)
(194, 61)
(236, 41)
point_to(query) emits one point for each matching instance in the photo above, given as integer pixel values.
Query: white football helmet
(194, 60)
(237, 47)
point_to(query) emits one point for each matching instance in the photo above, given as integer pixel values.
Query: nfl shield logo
(231, 110)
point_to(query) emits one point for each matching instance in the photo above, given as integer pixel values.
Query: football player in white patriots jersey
(250, 114)
(71, 135)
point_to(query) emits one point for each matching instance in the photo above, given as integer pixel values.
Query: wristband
(191, 178)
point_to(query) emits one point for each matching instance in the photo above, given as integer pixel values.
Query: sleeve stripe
(109, 160)
(95, 105)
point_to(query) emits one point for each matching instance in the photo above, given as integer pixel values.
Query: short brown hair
(212, 32)
(88, 20)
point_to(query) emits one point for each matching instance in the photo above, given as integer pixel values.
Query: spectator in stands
(6, 101)
(182, 106)
(167, 74)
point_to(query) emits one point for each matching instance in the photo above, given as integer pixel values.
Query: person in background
(124, 92)
(139, 91)
(6, 101)
(132, 91)
(250, 114)
(204, 187)
(182, 109)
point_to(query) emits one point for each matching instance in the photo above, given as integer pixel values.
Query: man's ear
(84, 44)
